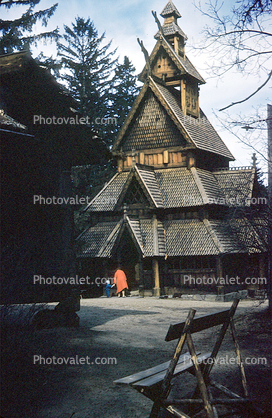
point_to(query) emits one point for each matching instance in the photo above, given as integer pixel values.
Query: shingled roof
(171, 29)
(177, 188)
(198, 134)
(171, 238)
(107, 198)
(170, 9)
(98, 240)
(148, 177)
(236, 184)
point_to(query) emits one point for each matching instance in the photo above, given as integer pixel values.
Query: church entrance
(128, 257)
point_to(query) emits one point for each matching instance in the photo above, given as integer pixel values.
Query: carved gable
(163, 66)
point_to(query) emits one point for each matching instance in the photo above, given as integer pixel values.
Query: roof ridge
(234, 169)
(102, 190)
(118, 225)
(129, 221)
(147, 188)
(213, 235)
(199, 185)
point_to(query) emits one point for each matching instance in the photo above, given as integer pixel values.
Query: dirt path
(119, 336)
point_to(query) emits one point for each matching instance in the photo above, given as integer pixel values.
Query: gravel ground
(126, 335)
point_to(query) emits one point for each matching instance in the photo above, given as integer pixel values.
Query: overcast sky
(125, 20)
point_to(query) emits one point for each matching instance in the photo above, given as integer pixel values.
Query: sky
(125, 21)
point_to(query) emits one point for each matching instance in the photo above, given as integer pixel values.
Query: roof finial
(254, 160)
(147, 59)
(158, 22)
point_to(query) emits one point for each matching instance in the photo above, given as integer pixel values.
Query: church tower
(166, 127)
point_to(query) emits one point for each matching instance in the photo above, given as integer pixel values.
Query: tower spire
(171, 30)
(170, 9)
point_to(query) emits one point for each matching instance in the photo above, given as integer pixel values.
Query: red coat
(120, 280)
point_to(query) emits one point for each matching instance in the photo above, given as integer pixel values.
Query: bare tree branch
(238, 40)
(244, 100)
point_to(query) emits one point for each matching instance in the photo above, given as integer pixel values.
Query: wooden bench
(155, 382)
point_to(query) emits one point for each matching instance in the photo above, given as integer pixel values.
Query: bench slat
(199, 324)
(128, 380)
(180, 368)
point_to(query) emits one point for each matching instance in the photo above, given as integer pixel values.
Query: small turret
(171, 31)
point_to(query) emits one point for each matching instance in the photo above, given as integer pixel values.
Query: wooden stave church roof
(170, 188)
(199, 134)
(176, 238)
(169, 29)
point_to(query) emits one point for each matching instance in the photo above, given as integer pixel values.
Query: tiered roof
(157, 121)
(175, 129)
(178, 188)
(176, 238)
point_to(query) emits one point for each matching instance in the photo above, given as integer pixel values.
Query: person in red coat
(120, 281)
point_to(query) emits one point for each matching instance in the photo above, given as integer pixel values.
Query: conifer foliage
(124, 92)
(17, 35)
(88, 65)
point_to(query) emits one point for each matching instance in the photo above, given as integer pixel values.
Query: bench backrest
(199, 324)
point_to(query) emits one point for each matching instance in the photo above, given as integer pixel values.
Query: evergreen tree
(104, 90)
(88, 67)
(16, 34)
(123, 95)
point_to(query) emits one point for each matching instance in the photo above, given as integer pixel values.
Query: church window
(135, 194)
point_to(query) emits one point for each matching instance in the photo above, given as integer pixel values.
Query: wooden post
(155, 268)
(165, 157)
(269, 138)
(219, 267)
(262, 272)
(183, 96)
(176, 44)
(120, 165)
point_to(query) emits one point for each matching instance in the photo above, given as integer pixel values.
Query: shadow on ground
(126, 340)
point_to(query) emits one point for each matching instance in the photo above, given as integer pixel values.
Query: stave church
(168, 215)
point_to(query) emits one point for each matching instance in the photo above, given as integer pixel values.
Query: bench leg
(239, 358)
(155, 410)
(174, 411)
(200, 380)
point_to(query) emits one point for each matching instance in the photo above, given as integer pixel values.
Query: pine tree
(88, 68)
(103, 89)
(123, 95)
(16, 34)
